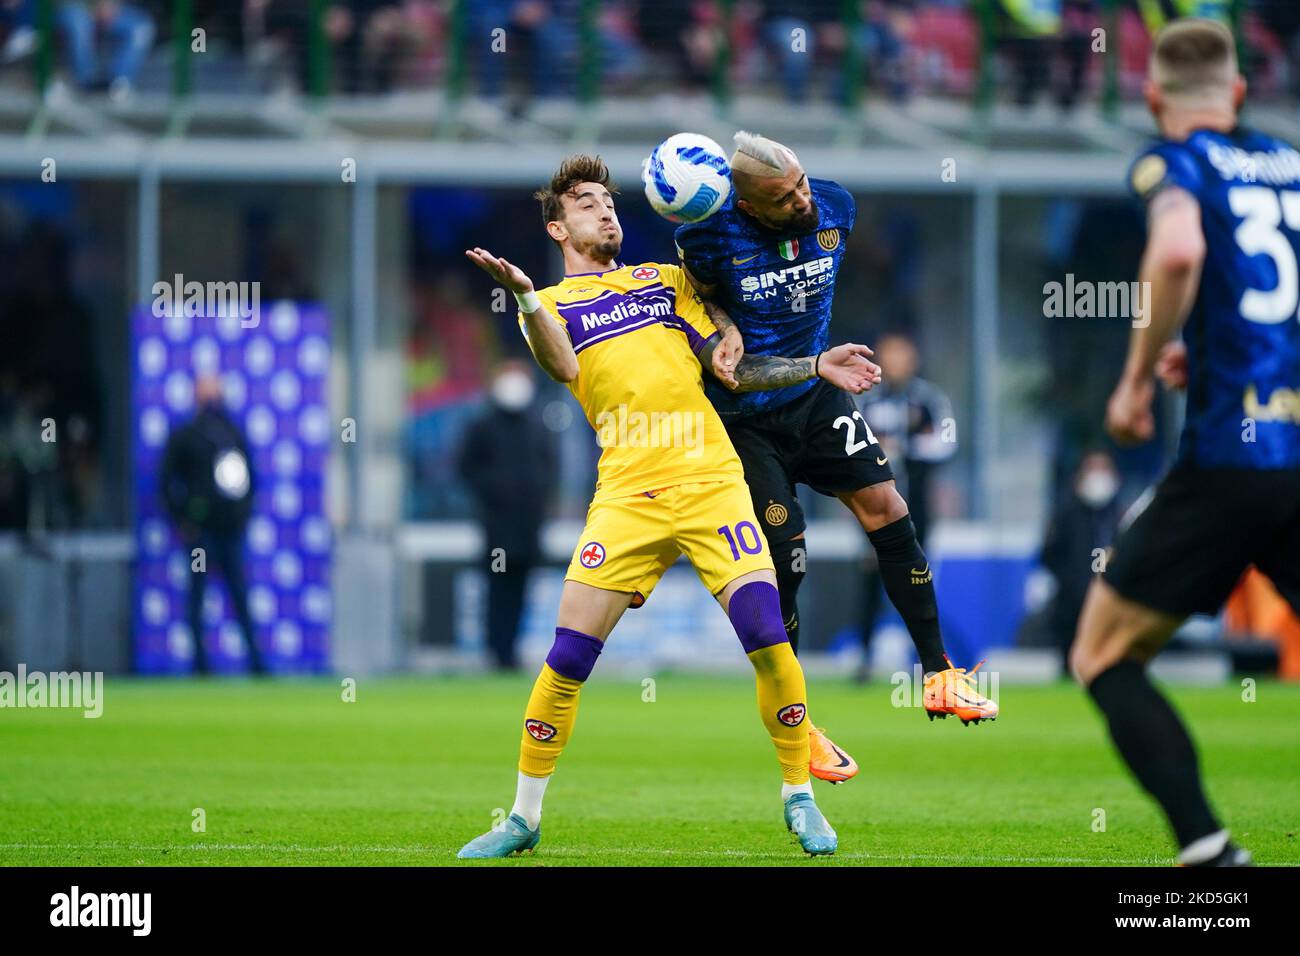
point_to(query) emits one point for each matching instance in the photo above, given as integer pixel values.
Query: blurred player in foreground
(630, 341)
(1221, 258)
(769, 258)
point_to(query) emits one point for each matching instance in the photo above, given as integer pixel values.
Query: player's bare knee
(726, 595)
(591, 610)
(877, 505)
(1088, 661)
(1111, 630)
(1085, 661)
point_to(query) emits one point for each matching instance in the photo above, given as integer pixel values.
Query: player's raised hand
(1128, 413)
(849, 367)
(730, 350)
(507, 273)
(1171, 366)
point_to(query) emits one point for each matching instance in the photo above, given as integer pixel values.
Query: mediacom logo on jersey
(651, 306)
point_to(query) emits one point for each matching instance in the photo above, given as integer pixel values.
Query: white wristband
(528, 302)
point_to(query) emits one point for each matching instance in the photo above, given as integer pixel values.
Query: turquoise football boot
(804, 820)
(513, 837)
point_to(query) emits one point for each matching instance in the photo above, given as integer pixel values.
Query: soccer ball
(687, 177)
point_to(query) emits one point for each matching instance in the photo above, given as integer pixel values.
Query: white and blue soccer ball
(687, 178)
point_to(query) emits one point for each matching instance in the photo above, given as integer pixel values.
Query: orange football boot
(827, 761)
(953, 692)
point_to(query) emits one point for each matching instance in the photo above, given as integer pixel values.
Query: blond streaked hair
(757, 157)
(1193, 60)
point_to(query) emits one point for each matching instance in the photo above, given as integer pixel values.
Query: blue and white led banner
(273, 376)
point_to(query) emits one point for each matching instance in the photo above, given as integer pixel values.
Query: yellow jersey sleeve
(547, 299)
(690, 309)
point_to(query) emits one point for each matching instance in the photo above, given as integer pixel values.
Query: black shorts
(1204, 526)
(820, 440)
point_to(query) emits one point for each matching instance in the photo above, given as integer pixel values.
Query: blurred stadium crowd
(796, 47)
(67, 249)
(60, 277)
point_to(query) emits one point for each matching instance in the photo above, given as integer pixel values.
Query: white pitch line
(576, 851)
(571, 851)
(284, 847)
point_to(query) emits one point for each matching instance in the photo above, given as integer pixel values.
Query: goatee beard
(807, 222)
(606, 251)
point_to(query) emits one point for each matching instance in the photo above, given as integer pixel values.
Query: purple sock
(573, 654)
(755, 612)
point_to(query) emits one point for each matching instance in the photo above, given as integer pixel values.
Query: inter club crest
(592, 554)
(541, 730)
(791, 714)
(644, 272)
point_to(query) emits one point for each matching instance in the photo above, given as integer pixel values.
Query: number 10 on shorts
(744, 533)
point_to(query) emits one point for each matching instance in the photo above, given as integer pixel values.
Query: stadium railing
(950, 36)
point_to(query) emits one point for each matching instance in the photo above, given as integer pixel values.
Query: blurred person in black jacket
(207, 485)
(913, 420)
(508, 462)
(48, 369)
(1082, 527)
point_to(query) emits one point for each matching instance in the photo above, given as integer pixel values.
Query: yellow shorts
(630, 542)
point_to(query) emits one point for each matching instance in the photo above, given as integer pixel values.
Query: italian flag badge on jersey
(789, 249)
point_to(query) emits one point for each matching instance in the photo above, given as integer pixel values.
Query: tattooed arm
(845, 366)
(758, 373)
(731, 348)
(720, 318)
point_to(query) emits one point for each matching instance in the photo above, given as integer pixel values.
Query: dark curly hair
(580, 168)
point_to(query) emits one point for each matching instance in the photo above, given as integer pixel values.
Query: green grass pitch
(289, 774)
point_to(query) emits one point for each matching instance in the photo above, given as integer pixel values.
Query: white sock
(789, 788)
(528, 798)
(1206, 848)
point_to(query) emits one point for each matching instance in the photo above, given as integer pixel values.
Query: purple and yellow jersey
(1243, 334)
(636, 331)
(776, 286)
